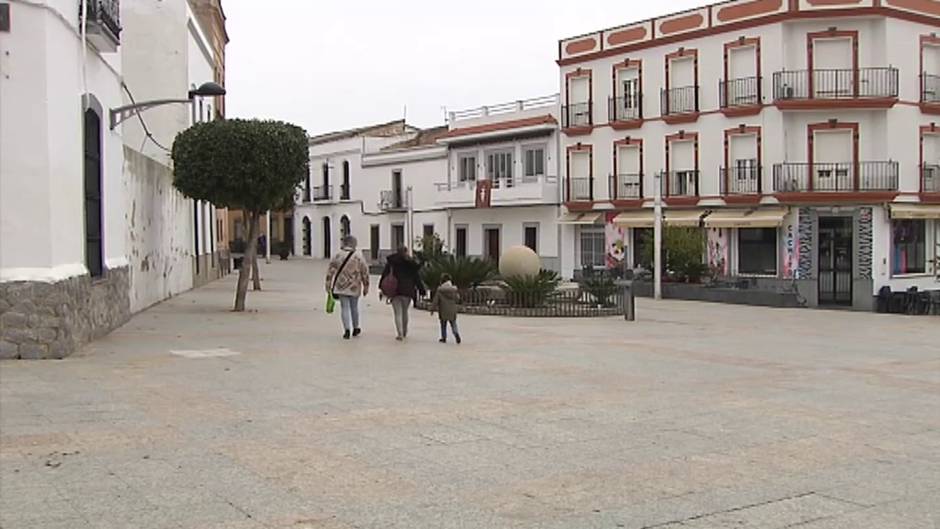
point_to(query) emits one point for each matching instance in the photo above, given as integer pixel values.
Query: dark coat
(407, 272)
(445, 301)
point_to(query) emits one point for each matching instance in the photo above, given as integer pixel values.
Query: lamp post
(208, 89)
(658, 237)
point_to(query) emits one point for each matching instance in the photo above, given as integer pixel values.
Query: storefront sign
(615, 241)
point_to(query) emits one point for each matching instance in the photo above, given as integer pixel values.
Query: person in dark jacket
(445, 302)
(408, 285)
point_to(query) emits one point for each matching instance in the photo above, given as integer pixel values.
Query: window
(344, 191)
(398, 236)
(499, 167)
(534, 162)
(592, 248)
(757, 251)
(468, 168)
(909, 247)
(428, 230)
(344, 227)
(374, 241)
(326, 174)
(461, 246)
(531, 237)
(94, 249)
(631, 93)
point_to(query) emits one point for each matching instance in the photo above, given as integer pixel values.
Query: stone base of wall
(53, 320)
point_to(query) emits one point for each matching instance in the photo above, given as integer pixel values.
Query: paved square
(697, 416)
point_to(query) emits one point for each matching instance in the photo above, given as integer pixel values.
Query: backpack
(389, 284)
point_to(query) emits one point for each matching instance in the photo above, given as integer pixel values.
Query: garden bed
(722, 294)
(567, 302)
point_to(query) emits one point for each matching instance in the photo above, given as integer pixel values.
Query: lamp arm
(119, 114)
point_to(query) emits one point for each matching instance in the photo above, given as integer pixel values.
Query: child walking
(445, 303)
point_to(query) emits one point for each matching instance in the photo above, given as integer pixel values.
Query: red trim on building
(579, 147)
(793, 14)
(687, 117)
(850, 34)
(743, 130)
(925, 41)
(627, 64)
(681, 136)
(580, 72)
(749, 110)
(926, 130)
(828, 104)
(503, 125)
(628, 141)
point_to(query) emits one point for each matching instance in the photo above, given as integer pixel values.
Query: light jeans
(349, 311)
(400, 306)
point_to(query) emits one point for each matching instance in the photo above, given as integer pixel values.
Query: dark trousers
(453, 328)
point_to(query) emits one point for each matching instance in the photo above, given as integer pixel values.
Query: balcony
(930, 178)
(930, 93)
(576, 118)
(392, 200)
(626, 186)
(322, 193)
(104, 23)
(847, 177)
(741, 181)
(344, 192)
(680, 105)
(514, 191)
(580, 189)
(839, 88)
(625, 112)
(680, 184)
(740, 97)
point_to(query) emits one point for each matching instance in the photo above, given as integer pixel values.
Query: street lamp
(208, 89)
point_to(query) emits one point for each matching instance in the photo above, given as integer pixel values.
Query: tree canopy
(251, 165)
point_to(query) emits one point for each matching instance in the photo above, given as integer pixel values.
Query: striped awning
(635, 219)
(579, 218)
(683, 218)
(915, 211)
(746, 218)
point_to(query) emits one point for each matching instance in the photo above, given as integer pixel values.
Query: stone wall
(53, 320)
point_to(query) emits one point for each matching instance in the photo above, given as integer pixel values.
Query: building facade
(91, 229)
(799, 135)
(486, 181)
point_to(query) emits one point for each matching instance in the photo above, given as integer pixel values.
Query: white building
(799, 134)
(90, 230)
(485, 182)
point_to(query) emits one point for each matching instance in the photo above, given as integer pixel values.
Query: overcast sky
(336, 64)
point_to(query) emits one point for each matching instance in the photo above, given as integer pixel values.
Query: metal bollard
(629, 302)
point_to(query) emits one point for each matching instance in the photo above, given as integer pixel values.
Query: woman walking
(347, 278)
(401, 283)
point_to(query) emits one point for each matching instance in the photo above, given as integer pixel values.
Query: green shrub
(602, 289)
(683, 253)
(430, 249)
(464, 271)
(532, 291)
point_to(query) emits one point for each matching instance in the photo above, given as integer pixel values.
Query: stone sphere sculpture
(519, 261)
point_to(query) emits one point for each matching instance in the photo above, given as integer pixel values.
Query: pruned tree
(251, 165)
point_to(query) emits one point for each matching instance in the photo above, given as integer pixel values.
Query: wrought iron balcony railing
(576, 115)
(929, 88)
(392, 200)
(861, 83)
(680, 183)
(107, 13)
(930, 178)
(742, 92)
(321, 193)
(741, 180)
(580, 189)
(682, 100)
(626, 186)
(836, 177)
(628, 108)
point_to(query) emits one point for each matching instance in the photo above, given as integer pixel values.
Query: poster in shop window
(718, 251)
(615, 241)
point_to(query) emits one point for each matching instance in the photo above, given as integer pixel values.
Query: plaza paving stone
(697, 416)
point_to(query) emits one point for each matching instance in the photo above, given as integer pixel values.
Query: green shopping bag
(330, 303)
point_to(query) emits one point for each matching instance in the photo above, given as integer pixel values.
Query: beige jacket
(354, 278)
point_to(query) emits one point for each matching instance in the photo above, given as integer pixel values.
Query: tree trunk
(255, 275)
(251, 253)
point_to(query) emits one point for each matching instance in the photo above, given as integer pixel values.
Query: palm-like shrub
(464, 271)
(532, 291)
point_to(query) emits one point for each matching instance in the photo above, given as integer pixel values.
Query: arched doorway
(327, 239)
(344, 228)
(308, 249)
